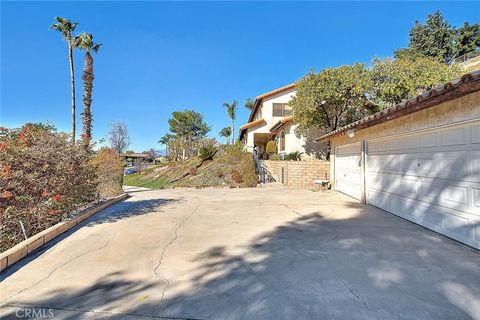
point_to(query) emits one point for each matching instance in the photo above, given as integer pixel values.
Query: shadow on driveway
(371, 266)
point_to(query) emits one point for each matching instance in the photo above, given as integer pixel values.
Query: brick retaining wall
(299, 173)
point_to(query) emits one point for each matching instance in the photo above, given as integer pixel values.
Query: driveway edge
(24, 248)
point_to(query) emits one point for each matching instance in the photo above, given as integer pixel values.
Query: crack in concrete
(104, 312)
(344, 283)
(160, 260)
(58, 267)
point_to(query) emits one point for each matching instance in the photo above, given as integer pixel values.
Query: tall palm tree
(249, 103)
(226, 132)
(231, 109)
(165, 140)
(66, 27)
(85, 43)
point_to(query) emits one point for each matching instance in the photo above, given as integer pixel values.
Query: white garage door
(431, 178)
(347, 169)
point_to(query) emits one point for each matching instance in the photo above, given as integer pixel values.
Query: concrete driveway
(268, 253)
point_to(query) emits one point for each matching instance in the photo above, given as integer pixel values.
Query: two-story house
(271, 119)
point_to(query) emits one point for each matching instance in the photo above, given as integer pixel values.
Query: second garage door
(431, 178)
(347, 169)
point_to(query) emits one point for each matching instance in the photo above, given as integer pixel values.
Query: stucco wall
(455, 111)
(266, 112)
(299, 173)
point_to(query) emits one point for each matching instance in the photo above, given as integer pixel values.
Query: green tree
(165, 139)
(433, 39)
(226, 132)
(249, 103)
(85, 43)
(231, 111)
(188, 127)
(467, 39)
(66, 27)
(395, 80)
(331, 98)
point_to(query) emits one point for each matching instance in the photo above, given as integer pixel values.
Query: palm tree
(249, 103)
(226, 132)
(165, 140)
(66, 27)
(231, 108)
(85, 43)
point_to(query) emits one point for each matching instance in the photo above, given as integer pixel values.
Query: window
(282, 141)
(281, 110)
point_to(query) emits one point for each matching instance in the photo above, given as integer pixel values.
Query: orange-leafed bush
(109, 169)
(43, 179)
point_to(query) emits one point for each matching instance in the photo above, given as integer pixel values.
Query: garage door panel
(347, 170)
(432, 178)
(475, 134)
(430, 216)
(455, 136)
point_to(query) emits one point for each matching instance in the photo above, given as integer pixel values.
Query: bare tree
(118, 136)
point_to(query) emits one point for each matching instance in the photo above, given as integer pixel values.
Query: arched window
(282, 141)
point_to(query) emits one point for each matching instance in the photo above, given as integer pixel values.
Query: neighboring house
(419, 159)
(136, 159)
(271, 119)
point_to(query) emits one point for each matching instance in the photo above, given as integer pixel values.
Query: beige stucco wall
(292, 142)
(451, 112)
(266, 112)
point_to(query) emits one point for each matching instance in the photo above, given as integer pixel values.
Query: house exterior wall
(292, 143)
(461, 109)
(298, 173)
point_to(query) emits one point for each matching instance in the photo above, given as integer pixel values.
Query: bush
(295, 156)
(207, 152)
(234, 148)
(109, 169)
(43, 178)
(271, 147)
(274, 157)
(235, 176)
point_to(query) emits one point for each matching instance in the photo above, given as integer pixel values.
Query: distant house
(135, 159)
(271, 119)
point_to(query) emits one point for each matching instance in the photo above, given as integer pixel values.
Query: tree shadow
(124, 209)
(365, 265)
(128, 209)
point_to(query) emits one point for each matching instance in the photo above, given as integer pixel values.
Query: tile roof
(280, 123)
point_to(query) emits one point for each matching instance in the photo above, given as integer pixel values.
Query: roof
(467, 84)
(259, 98)
(253, 123)
(281, 123)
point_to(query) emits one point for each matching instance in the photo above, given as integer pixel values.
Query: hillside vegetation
(224, 170)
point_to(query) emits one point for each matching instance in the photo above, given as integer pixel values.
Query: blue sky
(161, 57)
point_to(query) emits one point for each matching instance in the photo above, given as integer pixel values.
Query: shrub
(207, 152)
(235, 176)
(295, 156)
(274, 157)
(192, 171)
(234, 148)
(271, 147)
(109, 169)
(43, 178)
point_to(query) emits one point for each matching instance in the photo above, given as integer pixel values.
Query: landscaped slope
(226, 170)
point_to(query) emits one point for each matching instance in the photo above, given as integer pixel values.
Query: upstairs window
(281, 110)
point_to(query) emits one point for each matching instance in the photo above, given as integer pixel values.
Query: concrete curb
(24, 248)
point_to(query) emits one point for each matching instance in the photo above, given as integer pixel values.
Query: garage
(421, 159)
(347, 170)
(431, 178)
